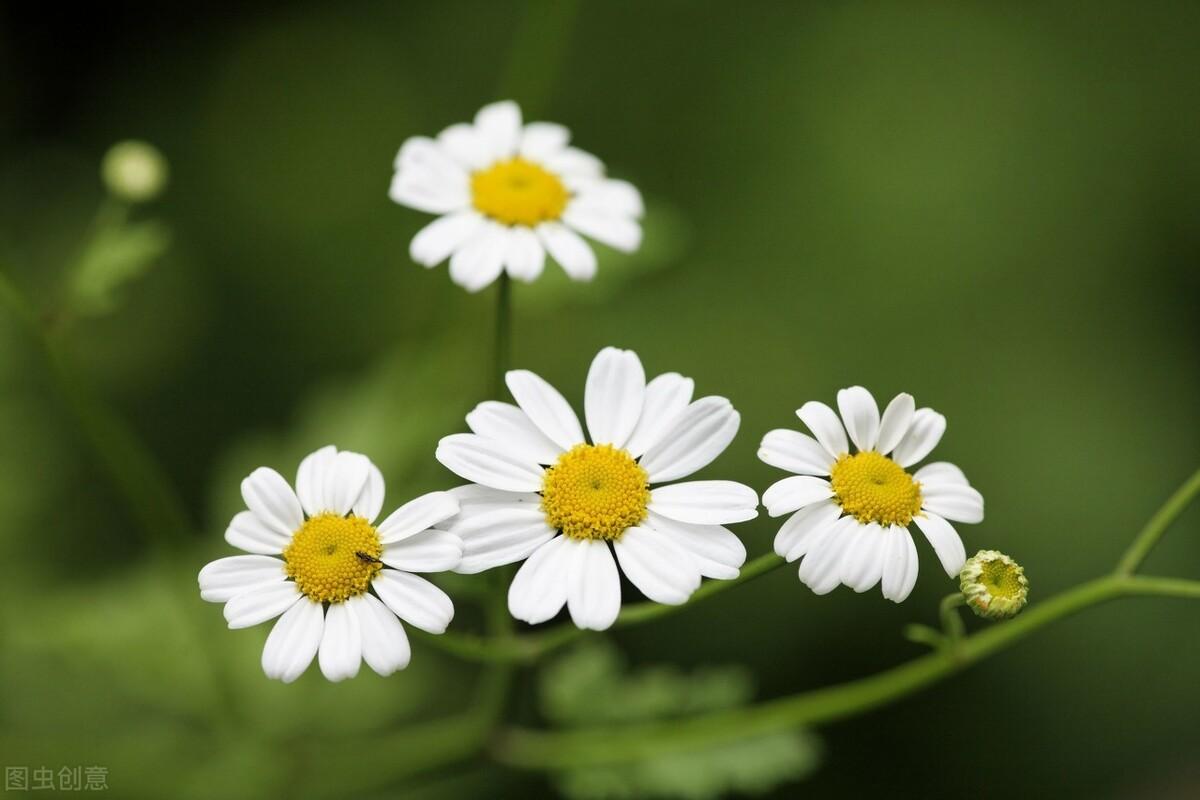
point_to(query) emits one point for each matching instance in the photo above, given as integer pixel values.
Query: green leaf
(116, 255)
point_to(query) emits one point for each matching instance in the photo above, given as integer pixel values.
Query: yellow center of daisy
(333, 558)
(873, 488)
(1002, 580)
(518, 192)
(595, 492)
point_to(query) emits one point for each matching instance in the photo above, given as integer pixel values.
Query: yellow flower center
(595, 492)
(518, 192)
(1002, 580)
(873, 488)
(333, 558)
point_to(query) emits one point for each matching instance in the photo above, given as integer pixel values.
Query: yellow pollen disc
(333, 558)
(595, 492)
(873, 488)
(518, 192)
(1001, 580)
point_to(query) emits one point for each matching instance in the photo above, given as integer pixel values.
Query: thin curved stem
(1144, 542)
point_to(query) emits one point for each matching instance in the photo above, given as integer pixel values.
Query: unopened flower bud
(993, 584)
(134, 171)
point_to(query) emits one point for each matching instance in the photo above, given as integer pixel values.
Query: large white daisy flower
(544, 495)
(852, 511)
(342, 581)
(508, 194)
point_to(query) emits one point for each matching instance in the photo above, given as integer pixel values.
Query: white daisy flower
(342, 581)
(508, 194)
(850, 512)
(544, 495)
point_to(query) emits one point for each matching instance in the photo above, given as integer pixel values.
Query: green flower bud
(994, 585)
(134, 171)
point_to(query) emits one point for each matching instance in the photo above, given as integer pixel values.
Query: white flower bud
(134, 171)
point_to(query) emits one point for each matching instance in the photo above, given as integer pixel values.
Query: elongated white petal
(414, 600)
(345, 480)
(500, 126)
(954, 502)
(225, 578)
(340, 653)
(717, 551)
(384, 643)
(613, 395)
(705, 502)
(489, 462)
(862, 563)
(570, 251)
(825, 427)
(665, 399)
(539, 590)
(294, 641)
(657, 566)
(427, 551)
(479, 262)
(571, 162)
(511, 426)
(899, 564)
(861, 416)
(428, 161)
(937, 473)
(804, 527)
(260, 603)
(370, 499)
(896, 419)
(593, 585)
(700, 433)
(466, 146)
(795, 452)
(426, 192)
(441, 238)
(311, 478)
(417, 515)
(268, 495)
(945, 540)
(821, 568)
(525, 257)
(796, 492)
(546, 407)
(474, 499)
(540, 140)
(247, 532)
(923, 435)
(501, 536)
(617, 231)
(612, 197)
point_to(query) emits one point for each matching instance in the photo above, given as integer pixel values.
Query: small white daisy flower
(852, 511)
(508, 194)
(544, 495)
(342, 581)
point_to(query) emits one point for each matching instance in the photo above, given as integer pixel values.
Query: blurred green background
(995, 207)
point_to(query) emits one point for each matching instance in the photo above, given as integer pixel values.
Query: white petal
(479, 262)
(938, 473)
(861, 415)
(384, 643)
(466, 146)
(665, 399)
(956, 503)
(571, 252)
(798, 491)
(438, 240)
(539, 590)
(657, 566)
(500, 126)
(899, 564)
(427, 551)
(571, 162)
(896, 419)
(705, 502)
(593, 585)
(945, 540)
(540, 140)
(511, 426)
(261, 603)
(526, 257)
(294, 641)
(248, 532)
(489, 462)
(546, 408)
(717, 551)
(821, 568)
(428, 159)
(424, 191)
(474, 499)
(370, 499)
(225, 578)
(268, 495)
(804, 527)
(340, 653)
(795, 452)
(699, 434)
(501, 536)
(618, 232)
(609, 197)
(345, 480)
(415, 600)
(862, 563)
(923, 435)
(612, 400)
(311, 478)
(417, 515)
(825, 426)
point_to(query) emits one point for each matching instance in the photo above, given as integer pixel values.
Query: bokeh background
(993, 206)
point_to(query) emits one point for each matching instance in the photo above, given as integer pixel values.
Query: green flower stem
(952, 624)
(560, 750)
(1158, 524)
(502, 355)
